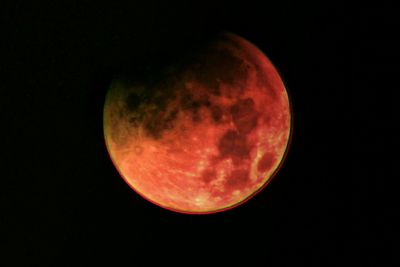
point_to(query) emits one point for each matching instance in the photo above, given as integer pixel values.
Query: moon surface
(205, 135)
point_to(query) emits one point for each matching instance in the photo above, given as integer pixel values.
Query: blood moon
(207, 135)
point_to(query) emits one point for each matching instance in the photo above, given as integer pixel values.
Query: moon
(205, 135)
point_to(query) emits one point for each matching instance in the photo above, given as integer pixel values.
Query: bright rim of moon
(207, 137)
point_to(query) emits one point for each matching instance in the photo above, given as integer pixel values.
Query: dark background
(62, 201)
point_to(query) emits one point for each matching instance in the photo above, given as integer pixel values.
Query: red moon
(205, 137)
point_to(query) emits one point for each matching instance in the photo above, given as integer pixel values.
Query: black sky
(62, 200)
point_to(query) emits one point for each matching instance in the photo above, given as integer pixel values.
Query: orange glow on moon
(206, 139)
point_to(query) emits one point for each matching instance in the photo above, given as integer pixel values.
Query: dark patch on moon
(134, 119)
(159, 122)
(154, 127)
(237, 179)
(265, 162)
(208, 175)
(196, 116)
(206, 103)
(218, 66)
(168, 121)
(132, 101)
(172, 115)
(216, 113)
(192, 105)
(147, 107)
(233, 144)
(244, 115)
(159, 102)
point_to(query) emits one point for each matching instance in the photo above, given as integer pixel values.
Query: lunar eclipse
(206, 136)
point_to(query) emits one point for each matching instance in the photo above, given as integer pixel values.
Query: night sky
(63, 203)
